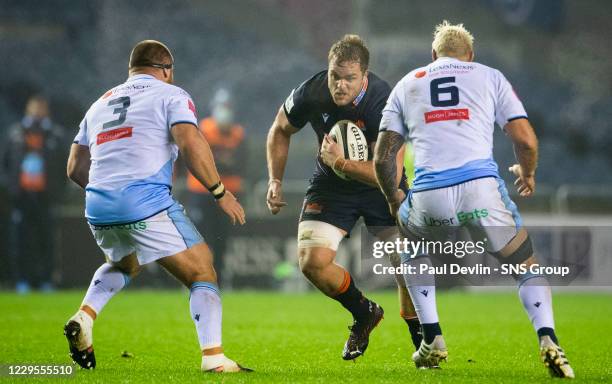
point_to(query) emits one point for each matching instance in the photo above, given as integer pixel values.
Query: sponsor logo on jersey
(192, 107)
(447, 114)
(107, 94)
(115, 134)
(325, 116)
(451, 67)
(420, 74)
(289, 102)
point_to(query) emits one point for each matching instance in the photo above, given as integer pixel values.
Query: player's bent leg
(535, 294)
(107, 281)
(194, 268)
(317, 245)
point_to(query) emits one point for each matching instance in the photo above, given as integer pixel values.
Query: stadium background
(72, 51)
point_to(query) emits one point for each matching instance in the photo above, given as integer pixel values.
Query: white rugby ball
(352, 140)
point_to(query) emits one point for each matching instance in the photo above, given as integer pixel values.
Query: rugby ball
(352, 140)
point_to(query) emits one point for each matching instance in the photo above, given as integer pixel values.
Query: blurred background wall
(553, 51)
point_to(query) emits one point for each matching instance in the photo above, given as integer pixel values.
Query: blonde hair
(452, 40)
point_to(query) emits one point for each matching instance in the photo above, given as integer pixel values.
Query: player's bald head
(148, 52)
(452, 40)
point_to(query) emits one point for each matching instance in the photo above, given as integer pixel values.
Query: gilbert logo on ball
(352, 140)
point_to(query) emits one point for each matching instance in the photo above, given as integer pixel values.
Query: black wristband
(211, 189)
(219, 191)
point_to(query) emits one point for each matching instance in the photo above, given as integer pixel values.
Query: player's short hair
(452, 40)
(149, 52)
(350, 48)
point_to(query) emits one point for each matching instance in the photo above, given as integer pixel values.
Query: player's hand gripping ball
(345, 141)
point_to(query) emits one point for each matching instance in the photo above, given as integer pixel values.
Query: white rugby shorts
(481, 205)
(164, 234)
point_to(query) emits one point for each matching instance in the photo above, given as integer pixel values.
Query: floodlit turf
(299, 338)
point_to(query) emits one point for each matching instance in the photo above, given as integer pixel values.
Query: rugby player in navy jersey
(345, 91)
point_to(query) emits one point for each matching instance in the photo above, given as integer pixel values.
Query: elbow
(379, 164)
(528, 144)
(72, 174)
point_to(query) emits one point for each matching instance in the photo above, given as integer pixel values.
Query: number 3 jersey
(448, 110)
(128, 134)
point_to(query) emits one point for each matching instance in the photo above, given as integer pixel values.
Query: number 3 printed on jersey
(124, 101)
(437, 90)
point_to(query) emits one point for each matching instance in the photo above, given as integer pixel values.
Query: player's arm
(388, 161)
(199, 160)
(277, 151)
(333, 155)
(389, 151)
(362, 171)
(525, 145)
(78, 165)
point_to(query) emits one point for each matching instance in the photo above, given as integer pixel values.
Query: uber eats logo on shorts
(138, 226)
(461, 218)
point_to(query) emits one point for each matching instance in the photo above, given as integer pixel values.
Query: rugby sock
(536, 297)
(416, 333)
(422, 291)
(205, 307)
(352, 299)
(105, 284)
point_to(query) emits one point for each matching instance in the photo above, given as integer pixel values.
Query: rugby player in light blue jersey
(123, 157)
(448, 110)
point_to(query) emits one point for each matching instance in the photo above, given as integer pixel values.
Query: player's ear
(434, 55)
(471, 56)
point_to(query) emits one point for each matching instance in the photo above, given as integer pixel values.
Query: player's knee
(128, 265)
(518, 251)
(308, 261)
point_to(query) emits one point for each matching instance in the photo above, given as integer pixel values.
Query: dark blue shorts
(343, 211)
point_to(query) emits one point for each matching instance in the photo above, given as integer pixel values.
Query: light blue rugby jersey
(448, 110)
(132, 151)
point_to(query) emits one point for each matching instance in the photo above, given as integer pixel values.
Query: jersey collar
(444, 58)
(362, 93)
(140, 76)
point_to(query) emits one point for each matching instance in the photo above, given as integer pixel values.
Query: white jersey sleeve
(508, 107)
(81, 136)
(181, 108)
(392, 116)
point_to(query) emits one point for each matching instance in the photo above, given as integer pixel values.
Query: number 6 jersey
(448, 110)
(128, 134)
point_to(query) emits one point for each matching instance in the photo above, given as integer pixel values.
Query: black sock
(430, 331)
(545, 331)
(416, 333)
(353, 300)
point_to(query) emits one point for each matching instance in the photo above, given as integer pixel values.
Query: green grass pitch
(298, 338)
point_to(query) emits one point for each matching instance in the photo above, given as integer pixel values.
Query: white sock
(537, 299)
(105, 284)
(422, 290)
(205, 306)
